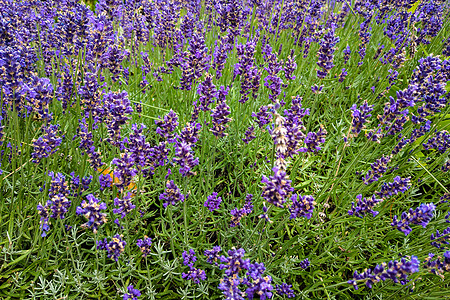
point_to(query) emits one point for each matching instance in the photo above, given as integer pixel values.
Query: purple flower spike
(277, 188)
(213, 254)
(47, 144)
(125, 205)
(326, 53)
(92, 212)
(420, 216)
(167, 126)
(114, 248)
(397, 271)
(172, 195)
(304, 264)
(144, 245)
(285, 289)
(361, 206)
(219, 114)
(132, 294)
(359, 117)
(213, 202)
(302, 206)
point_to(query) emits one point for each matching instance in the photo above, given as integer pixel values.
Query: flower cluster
(304, 264)
(114, 248)
(144, 245)
(326, 53)
(219, 114)
(213, 202)
(193, 274)
(399, 185)
(440, 239)
(263, 117)
(184, 158)
(419, 216)
(213, 254)
(238, 214)
(172, 194)
(125, 205)
(314, 139)
(378, 168)
(361, 206)
(439, 265)
(440, 142)
(394, 270)
(92, 212)
(302, 206)
(255, 281)
(277, 188)
(359, 117)
(285, 289)
(47, 144)
(167, 126)
(273, 82)
(132, 294)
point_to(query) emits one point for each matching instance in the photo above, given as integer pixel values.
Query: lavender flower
(359, 117)
(314, 139)
(172, 194)
(213, 202)
(317, 89)
(399, 185)
(47, 144)
(304, 264)
(290, 66)
(132, 294)
(194, 61)
(273, 82)
(235, 262)
(438, 266)
(249, 135)
(125, 170)
(277, 188)
(440, 142)
(343, 75)
(105, 181)
(347, 53)
(302, 206)
(361, 206)
(44, 222)
(262, 117)
(378, 168)
(58, 205)
(92, 211)
(189, 258)
(280, 140)
(219, 114)
(167, 126)
(184, 158)
(257, 283)
(285, 289)
(125, 205)
(325, 54)
(213, 254)
(440, 239)
(420, 216)
(238, 214)
(207, 91)
(194, 274)
(114, 248)
(144, 245)
(394, 270)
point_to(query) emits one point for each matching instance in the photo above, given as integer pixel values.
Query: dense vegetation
(254, 149)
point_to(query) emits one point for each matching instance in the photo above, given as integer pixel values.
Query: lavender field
(225, 149)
